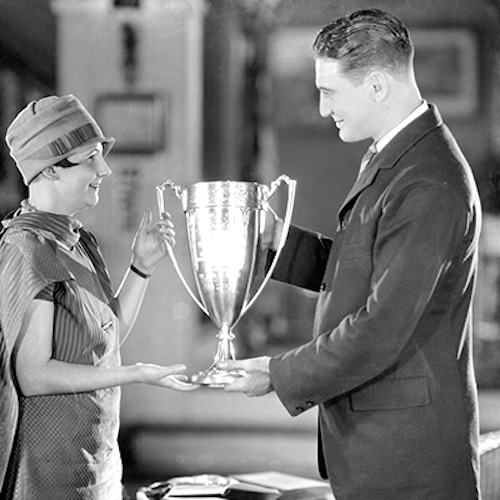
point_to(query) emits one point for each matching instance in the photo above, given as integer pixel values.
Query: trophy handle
(161, 207)
(291, 185)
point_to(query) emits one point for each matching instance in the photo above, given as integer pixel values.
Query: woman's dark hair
(364, 40)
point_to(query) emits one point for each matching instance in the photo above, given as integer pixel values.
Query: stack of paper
(252, 486)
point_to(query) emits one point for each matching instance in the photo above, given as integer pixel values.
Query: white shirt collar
(420, 110)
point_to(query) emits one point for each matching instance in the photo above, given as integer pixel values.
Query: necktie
(370, 153)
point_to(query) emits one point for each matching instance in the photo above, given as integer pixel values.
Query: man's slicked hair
(365, 40)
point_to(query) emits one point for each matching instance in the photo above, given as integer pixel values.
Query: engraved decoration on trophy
(225, 223)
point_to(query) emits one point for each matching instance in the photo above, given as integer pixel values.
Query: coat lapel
(390, 155)
(363, 181)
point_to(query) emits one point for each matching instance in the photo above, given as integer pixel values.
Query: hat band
(72, 140)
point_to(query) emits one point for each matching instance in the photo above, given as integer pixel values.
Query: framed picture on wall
(487, 306)
(136, 121)
(447, 69)
(291, 64)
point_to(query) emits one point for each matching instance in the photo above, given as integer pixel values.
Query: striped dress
(61, 446)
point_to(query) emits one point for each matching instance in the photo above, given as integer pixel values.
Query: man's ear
(50, 173)
(379, 85)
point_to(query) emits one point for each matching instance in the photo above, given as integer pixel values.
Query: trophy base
(216, 378)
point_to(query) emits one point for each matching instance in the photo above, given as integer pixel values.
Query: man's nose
(324, 109)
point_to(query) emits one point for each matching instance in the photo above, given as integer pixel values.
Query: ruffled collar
(63, 229)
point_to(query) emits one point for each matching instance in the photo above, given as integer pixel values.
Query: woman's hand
(164, 376)
(151, 240)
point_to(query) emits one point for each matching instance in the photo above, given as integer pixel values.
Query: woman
(61, 324)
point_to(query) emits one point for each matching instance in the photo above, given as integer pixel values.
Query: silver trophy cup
(225, 224)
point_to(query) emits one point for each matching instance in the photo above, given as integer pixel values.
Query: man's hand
(255, 382)
(271, 236)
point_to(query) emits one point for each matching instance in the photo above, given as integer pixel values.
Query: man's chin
(345, 136)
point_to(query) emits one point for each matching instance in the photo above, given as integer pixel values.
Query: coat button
(299, 408)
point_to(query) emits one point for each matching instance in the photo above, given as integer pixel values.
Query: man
(390, 363)
(61, 325)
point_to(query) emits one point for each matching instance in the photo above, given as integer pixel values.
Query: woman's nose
(103, 168)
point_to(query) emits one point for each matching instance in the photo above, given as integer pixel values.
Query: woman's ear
(50, 173)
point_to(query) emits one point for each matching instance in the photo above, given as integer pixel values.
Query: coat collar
(390, 155)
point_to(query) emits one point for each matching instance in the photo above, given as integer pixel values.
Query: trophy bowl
(225, 223)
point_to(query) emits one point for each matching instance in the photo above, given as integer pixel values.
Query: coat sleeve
(303, 259)
(423, 230)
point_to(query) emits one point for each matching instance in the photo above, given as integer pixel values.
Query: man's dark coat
(390, 363)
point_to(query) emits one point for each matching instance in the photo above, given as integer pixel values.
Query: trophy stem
(225, 348)
(216, 376)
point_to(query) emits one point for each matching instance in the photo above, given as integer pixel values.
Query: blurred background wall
(224, 89)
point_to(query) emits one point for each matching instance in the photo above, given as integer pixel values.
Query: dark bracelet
(134, 269)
